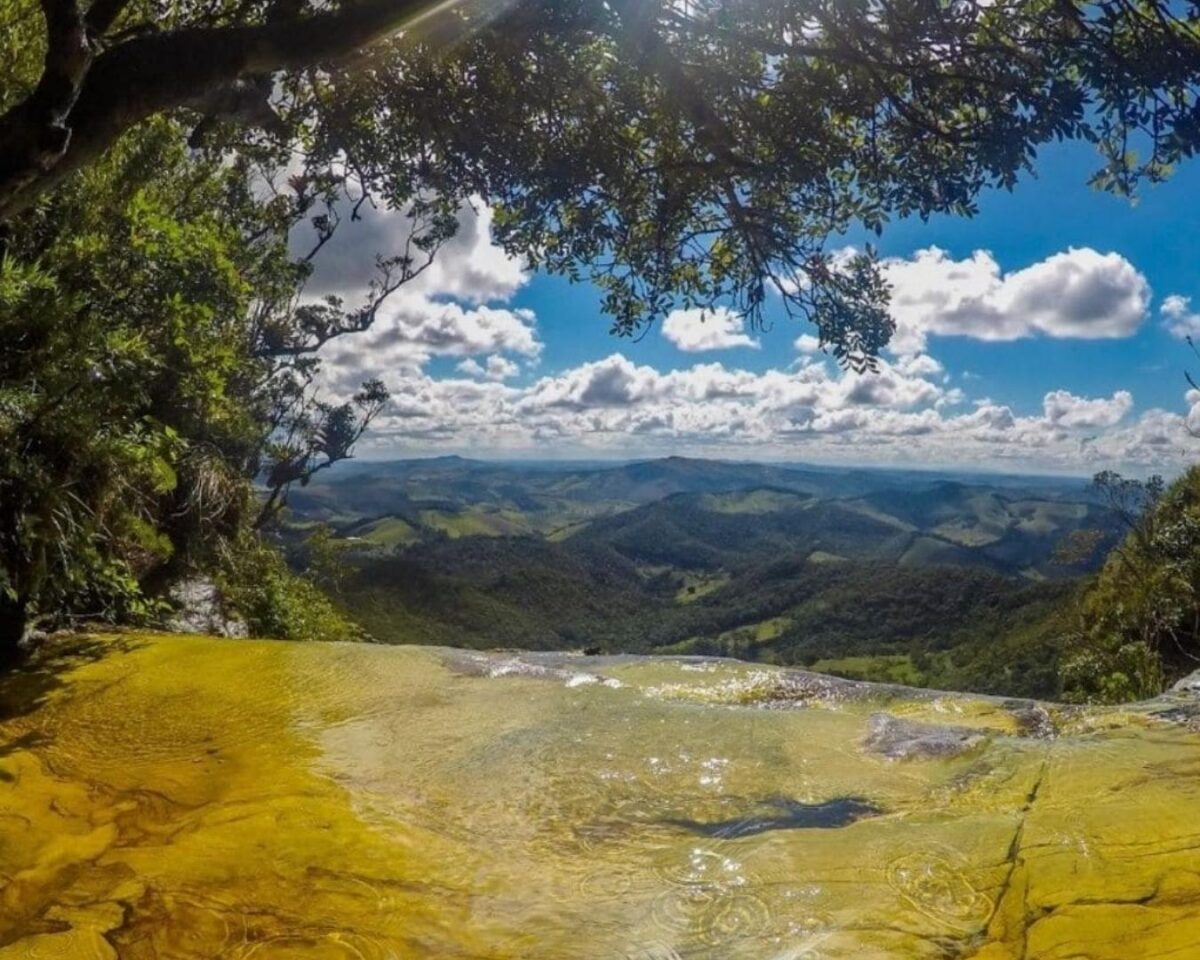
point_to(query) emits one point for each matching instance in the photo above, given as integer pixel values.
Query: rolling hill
(928, 578)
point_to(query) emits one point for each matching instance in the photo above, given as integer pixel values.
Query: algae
(170, 797)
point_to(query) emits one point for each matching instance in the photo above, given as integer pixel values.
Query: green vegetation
(774, 574)
(882, 668)
(701, 156)
(912, 579)
(955, 627)
(274, 601)
(1138, 626)
(693, 586)
(156, 164)
(155, 366)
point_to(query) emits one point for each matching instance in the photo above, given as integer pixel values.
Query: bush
(257, 584)
(1138, 625)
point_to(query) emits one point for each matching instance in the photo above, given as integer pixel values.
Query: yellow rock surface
(171, 797)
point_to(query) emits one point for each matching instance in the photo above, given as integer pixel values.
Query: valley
(939, 579)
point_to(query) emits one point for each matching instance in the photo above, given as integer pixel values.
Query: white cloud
(1068, 410)
(1179, 318)
(467, 267)
(1192, 420)
(904, 413)
(697, 330)
(495, 368)
(410, 330)
(1081, 294)
(612, 382)
(919, 365)
(449, 329)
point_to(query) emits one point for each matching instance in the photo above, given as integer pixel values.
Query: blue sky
(485, 359)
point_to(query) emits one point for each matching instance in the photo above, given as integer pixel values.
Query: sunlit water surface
(188, 798)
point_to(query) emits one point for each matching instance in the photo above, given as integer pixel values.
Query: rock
(1033, 719)
(198, 609)
(1189, 685)
(900, 739)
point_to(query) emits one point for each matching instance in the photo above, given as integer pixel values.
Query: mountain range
(886, 574)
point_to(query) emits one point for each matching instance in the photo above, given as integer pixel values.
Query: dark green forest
(925, 579)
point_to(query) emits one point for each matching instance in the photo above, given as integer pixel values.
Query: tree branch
(102, 14)
(34, 132)
(76, 113)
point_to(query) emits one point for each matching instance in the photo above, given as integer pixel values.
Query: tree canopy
(677, 153)
(1137, 627)
(155, 364)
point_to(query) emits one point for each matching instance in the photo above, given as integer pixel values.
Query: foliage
(679, 154)
(961, 628)
(155, 158)
(258, 585)
(1138, 626)
(844, 570)
(140, 389)
(324, 559)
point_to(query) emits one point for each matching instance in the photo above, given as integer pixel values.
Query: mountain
(902, 575)
(453, 496)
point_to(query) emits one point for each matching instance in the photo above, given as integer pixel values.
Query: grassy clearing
(882, 668)
(693, 586)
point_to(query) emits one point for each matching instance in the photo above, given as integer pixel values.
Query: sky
(1043, 335)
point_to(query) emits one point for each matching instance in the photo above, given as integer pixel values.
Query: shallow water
(188, 798)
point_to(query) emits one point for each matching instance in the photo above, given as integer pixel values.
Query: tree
(1138, 624)
(693, 153)
(156, 362)
(156, 158)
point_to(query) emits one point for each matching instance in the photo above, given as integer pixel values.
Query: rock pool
(171, 797)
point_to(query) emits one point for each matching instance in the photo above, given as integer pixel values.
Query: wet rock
(496, 663)
(1189, 685)
(1185, 715)
(1033, 719)
(898, 739)
(199, 609)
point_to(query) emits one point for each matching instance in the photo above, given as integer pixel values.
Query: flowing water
(169, 797)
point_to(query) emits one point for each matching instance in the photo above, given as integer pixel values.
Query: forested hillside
(922, 578)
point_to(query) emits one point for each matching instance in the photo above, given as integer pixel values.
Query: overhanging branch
(35, 132)
(82, 105)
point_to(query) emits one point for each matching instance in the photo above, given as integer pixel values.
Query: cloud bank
(617, 406)
(912, 410)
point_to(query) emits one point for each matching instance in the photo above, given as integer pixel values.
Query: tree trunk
(84, 103)
(14, 623)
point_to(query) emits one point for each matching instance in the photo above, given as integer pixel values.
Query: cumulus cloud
(495, 367)
(904, 413)
(410, 330)
(1080, 294)
(697, 330)
(1068, 410)
(468, 266)
(449, 329)
(919, 365)
(1179, 319)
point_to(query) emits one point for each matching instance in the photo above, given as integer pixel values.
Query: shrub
(1138, 625)
(274, 601)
